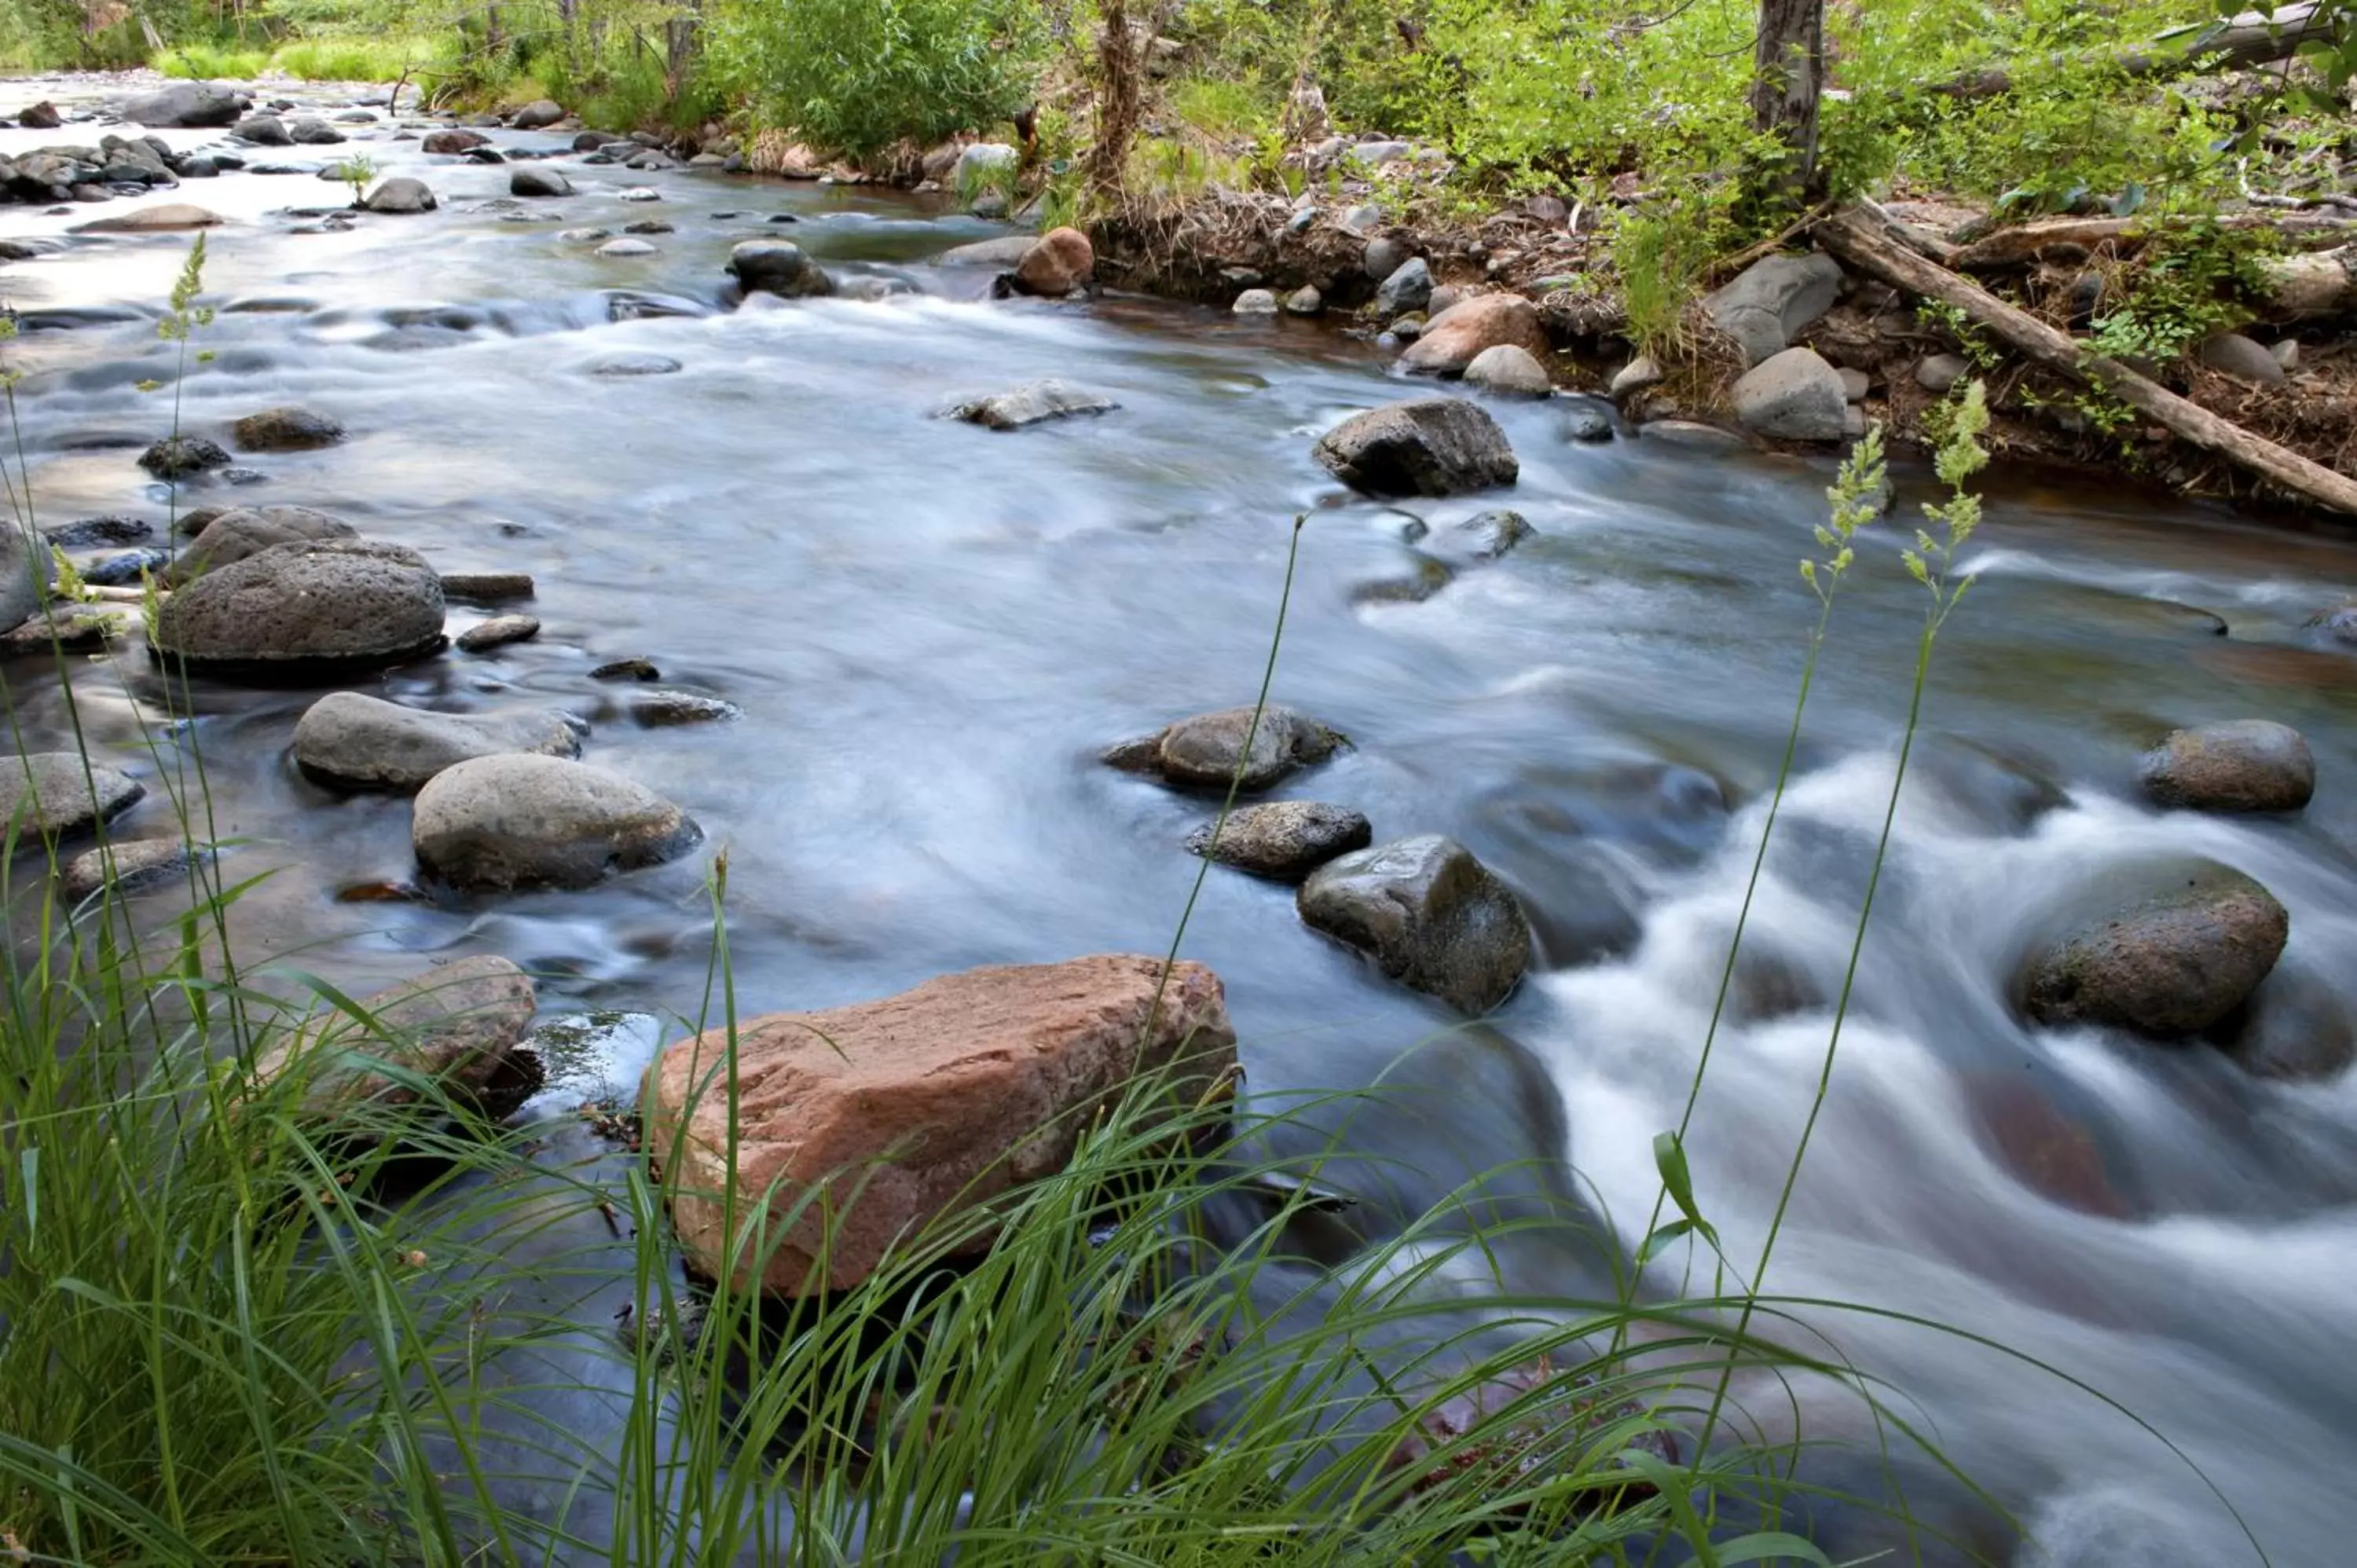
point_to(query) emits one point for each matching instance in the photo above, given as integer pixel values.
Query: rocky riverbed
(516, 579)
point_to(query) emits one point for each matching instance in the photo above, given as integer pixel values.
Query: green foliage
(859, 75)
(1659, 254)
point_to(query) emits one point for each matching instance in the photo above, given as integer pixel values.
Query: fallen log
(1864, 239)
(2246, 41)
(2020, 246)
(2302, 288)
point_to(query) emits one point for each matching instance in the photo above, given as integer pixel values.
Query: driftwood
(2017, 247)
(1865, 240)
(2247, 40)
(2302, 288)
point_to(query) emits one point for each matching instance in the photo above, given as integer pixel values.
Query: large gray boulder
(537, 115)
(185, 104)
(1406, 287)
(245, 532)
(1772, 301)
(1426, 446)
(540, 821)
(2245, 765)
(54, 793)
(778, 267)
(1430, 915)
(2169, 954)
(1206, 751)
(1032, 403)
(530, 181)
(1793, 396)
(365, 743)
(1282, 840)
(456, 1026)
(333, 604)
(311, 131)
(401, 195)
(264, 130)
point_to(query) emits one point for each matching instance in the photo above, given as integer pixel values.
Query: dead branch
(2247, 40)
(2019, 246)
(1865, 240)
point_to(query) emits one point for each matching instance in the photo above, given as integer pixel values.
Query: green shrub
(858, 75)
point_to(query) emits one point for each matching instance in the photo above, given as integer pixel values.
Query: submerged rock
(498, 823)
(1207, 750)
(287, 430)
(335, 602)
(2244, 765)
(57, 793)
(455, 1027)
(163, 218)
(1427, 446)
(913, 1106)
(365, 743)
(2168, 960)
(1430, 915)
(1032, 404)
(2297, 1025)
(178, 456)
(1283, 840)
(123, 868)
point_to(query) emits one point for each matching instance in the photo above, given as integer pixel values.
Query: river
(932, 630)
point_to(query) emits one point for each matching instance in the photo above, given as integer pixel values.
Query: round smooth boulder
(453, 142)
(365, 743)
(778, 267)
(1456, 336)
(329, 604)
(401, 195)
(186, 104)
(1284, 841)
(2244, 765)
(2169, 963)
(537, 115)
(54, 793)
(1508, 369)
(287, 430)
(1430, 915)
(498, 823)
(244, 531)
(1426, 446)
(1061, 260)
(1792, 396)
(1210, 750)
(530, 181)
(457, 1026)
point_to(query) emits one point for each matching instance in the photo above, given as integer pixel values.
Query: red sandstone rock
(1452, 339)
(915, 1105)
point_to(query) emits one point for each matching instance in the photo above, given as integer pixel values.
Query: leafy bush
(858, 75)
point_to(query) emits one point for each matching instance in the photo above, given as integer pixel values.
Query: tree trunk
(1866, 241)
(1787, 74)
(1119, 97)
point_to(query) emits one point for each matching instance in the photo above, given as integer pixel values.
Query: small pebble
(498, 632)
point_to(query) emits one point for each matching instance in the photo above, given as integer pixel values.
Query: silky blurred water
(932, 630)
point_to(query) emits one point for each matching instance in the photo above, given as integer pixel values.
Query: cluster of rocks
(1426, 912)
(117, 166)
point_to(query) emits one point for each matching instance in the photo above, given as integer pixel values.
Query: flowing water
(932, 629)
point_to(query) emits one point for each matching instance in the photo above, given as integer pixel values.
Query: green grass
(326, 59)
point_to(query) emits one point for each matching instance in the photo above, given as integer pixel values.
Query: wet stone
(498, 632)
(1284, 841)
(2245, 765)
(485, 587)
(56, 792)
(123, 868)
(633, 669)
(178, 456)
(666, 710)
(1429, 914)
